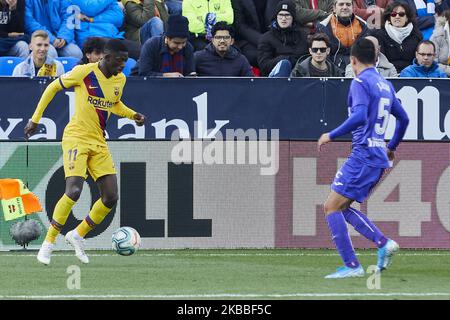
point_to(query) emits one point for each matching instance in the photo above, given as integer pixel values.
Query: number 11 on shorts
(74, 153)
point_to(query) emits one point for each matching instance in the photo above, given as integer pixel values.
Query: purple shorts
(355, 179)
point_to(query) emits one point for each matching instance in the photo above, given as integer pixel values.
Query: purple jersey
(377, 96)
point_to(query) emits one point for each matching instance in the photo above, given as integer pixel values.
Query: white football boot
(78, 244)
(45, 253)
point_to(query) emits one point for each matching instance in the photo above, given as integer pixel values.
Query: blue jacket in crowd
(108, 18)
(417, 71)
(51, 16)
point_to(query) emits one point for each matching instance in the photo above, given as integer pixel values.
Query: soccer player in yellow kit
(98, 91)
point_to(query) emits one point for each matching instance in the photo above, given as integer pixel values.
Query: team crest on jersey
(216, 6)
(116, 91)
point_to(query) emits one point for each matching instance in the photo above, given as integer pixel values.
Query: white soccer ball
(126, 241)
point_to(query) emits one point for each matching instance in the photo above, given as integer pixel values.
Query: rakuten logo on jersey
(99, 103)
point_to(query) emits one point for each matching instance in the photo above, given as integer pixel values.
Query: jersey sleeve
(359, 93)
(358, 98)
(46, 98)
(356, 119)
(67, 80)
(121, 110)
(74, 77)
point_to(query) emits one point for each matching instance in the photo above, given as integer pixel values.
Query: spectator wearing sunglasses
(424, 66)
(317, 65)
(399, 35)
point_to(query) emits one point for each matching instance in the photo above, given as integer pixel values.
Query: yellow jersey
(96, 97)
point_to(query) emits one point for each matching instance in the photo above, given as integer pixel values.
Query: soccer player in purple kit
(371, 101)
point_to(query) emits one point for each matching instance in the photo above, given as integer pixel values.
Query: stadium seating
(7, 65)
(128, 66)
(68, 62)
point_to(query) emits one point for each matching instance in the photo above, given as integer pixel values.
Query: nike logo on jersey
(338, 183)
(91, 87)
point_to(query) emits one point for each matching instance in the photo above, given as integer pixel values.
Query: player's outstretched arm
(121, 110)
(46, 98)
(358, 118)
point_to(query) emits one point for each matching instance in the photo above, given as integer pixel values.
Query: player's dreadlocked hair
(364, 50)
(115, 46)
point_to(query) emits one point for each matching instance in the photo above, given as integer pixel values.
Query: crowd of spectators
(230, 38)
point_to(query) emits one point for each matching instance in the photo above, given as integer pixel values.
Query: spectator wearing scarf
(170, 55)
(38, 63)
(399, 35)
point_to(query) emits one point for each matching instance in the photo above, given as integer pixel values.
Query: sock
(364, 226)
(60, 214)
(341, 238)
(95, 216)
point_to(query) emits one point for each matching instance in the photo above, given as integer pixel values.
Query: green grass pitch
(221, 274)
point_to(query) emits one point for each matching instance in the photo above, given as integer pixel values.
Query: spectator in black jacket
(13, 41)
(251, 21)
(399, 35)
(220, 57)
(281, 46)
(170, 55)
(317, 65)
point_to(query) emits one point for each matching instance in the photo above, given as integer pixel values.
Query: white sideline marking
(229, 295)
(112, 254)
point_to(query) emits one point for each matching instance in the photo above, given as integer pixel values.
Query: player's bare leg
(74, 186)
(109, 191)
(336, 202)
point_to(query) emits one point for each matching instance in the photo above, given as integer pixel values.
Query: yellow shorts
(79, 157)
